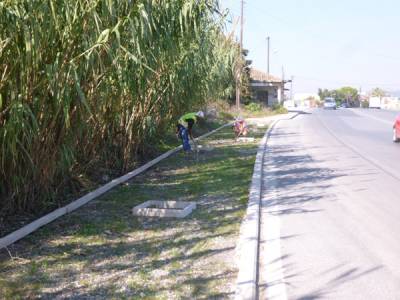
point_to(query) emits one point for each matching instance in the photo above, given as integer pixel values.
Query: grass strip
(103, 252)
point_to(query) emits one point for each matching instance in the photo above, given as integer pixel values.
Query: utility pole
(283, 85)
(291, 88)
(241, 29)
(268, 56)
(239, 71)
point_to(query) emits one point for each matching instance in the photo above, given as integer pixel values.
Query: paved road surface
(331, 208)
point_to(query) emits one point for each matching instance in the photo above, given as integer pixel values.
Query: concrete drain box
(164, 209)
(205, 148)
(245, 139)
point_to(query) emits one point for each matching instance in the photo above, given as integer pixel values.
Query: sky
(323, 43)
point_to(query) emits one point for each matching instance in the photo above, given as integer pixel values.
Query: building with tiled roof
(266, 88)
(259, 76)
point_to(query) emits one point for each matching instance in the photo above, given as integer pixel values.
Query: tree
(324, 93)
(378, 92)
(347, 94)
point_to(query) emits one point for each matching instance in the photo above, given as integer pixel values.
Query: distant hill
(394, 93)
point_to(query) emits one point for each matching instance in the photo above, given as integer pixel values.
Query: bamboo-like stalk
(85, 83)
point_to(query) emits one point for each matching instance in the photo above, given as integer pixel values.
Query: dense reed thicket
(89, 83)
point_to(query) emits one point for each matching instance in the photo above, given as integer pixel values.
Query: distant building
(267, 89)
(384, 102)
(390, 103)
(306, 99)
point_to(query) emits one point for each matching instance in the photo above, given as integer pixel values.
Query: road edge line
(357, 112)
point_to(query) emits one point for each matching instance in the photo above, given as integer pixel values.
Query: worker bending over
(240, 127)
(184, 128)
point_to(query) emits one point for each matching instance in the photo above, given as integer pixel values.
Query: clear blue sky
(324, 43)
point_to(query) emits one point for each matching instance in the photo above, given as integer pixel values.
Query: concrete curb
(246, 284)
(248, 245)
(31, 227)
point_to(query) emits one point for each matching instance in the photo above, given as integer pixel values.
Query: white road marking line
(372, 117)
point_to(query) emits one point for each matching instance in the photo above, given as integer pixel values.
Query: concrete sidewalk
(249, 240)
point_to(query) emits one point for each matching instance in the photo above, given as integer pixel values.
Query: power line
(262, 11)
(347, 82)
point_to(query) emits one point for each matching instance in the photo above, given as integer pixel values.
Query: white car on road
(329, 103)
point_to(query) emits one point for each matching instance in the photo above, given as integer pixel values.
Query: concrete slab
(245, 139)
(164, 209)
(205, 148)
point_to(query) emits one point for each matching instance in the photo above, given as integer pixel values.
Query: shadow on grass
(102, 251)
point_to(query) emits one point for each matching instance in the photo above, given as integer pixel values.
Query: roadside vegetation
(88, 89)
(346, 94)
(350, 96)
(103, 252)
(253, 109)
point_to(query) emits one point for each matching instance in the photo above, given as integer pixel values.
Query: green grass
(102, 251)
(264, 112)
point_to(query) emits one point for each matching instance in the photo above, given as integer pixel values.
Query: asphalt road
(331, 208)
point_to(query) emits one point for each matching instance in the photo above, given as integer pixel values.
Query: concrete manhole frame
(164, 209)
(245, 139)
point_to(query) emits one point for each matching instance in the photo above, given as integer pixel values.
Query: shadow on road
(298, 177)
(295, 184)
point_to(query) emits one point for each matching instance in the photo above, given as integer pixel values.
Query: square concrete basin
(245, 139)
(164, 209)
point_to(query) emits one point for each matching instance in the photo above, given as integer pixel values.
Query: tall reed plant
(89, 84)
